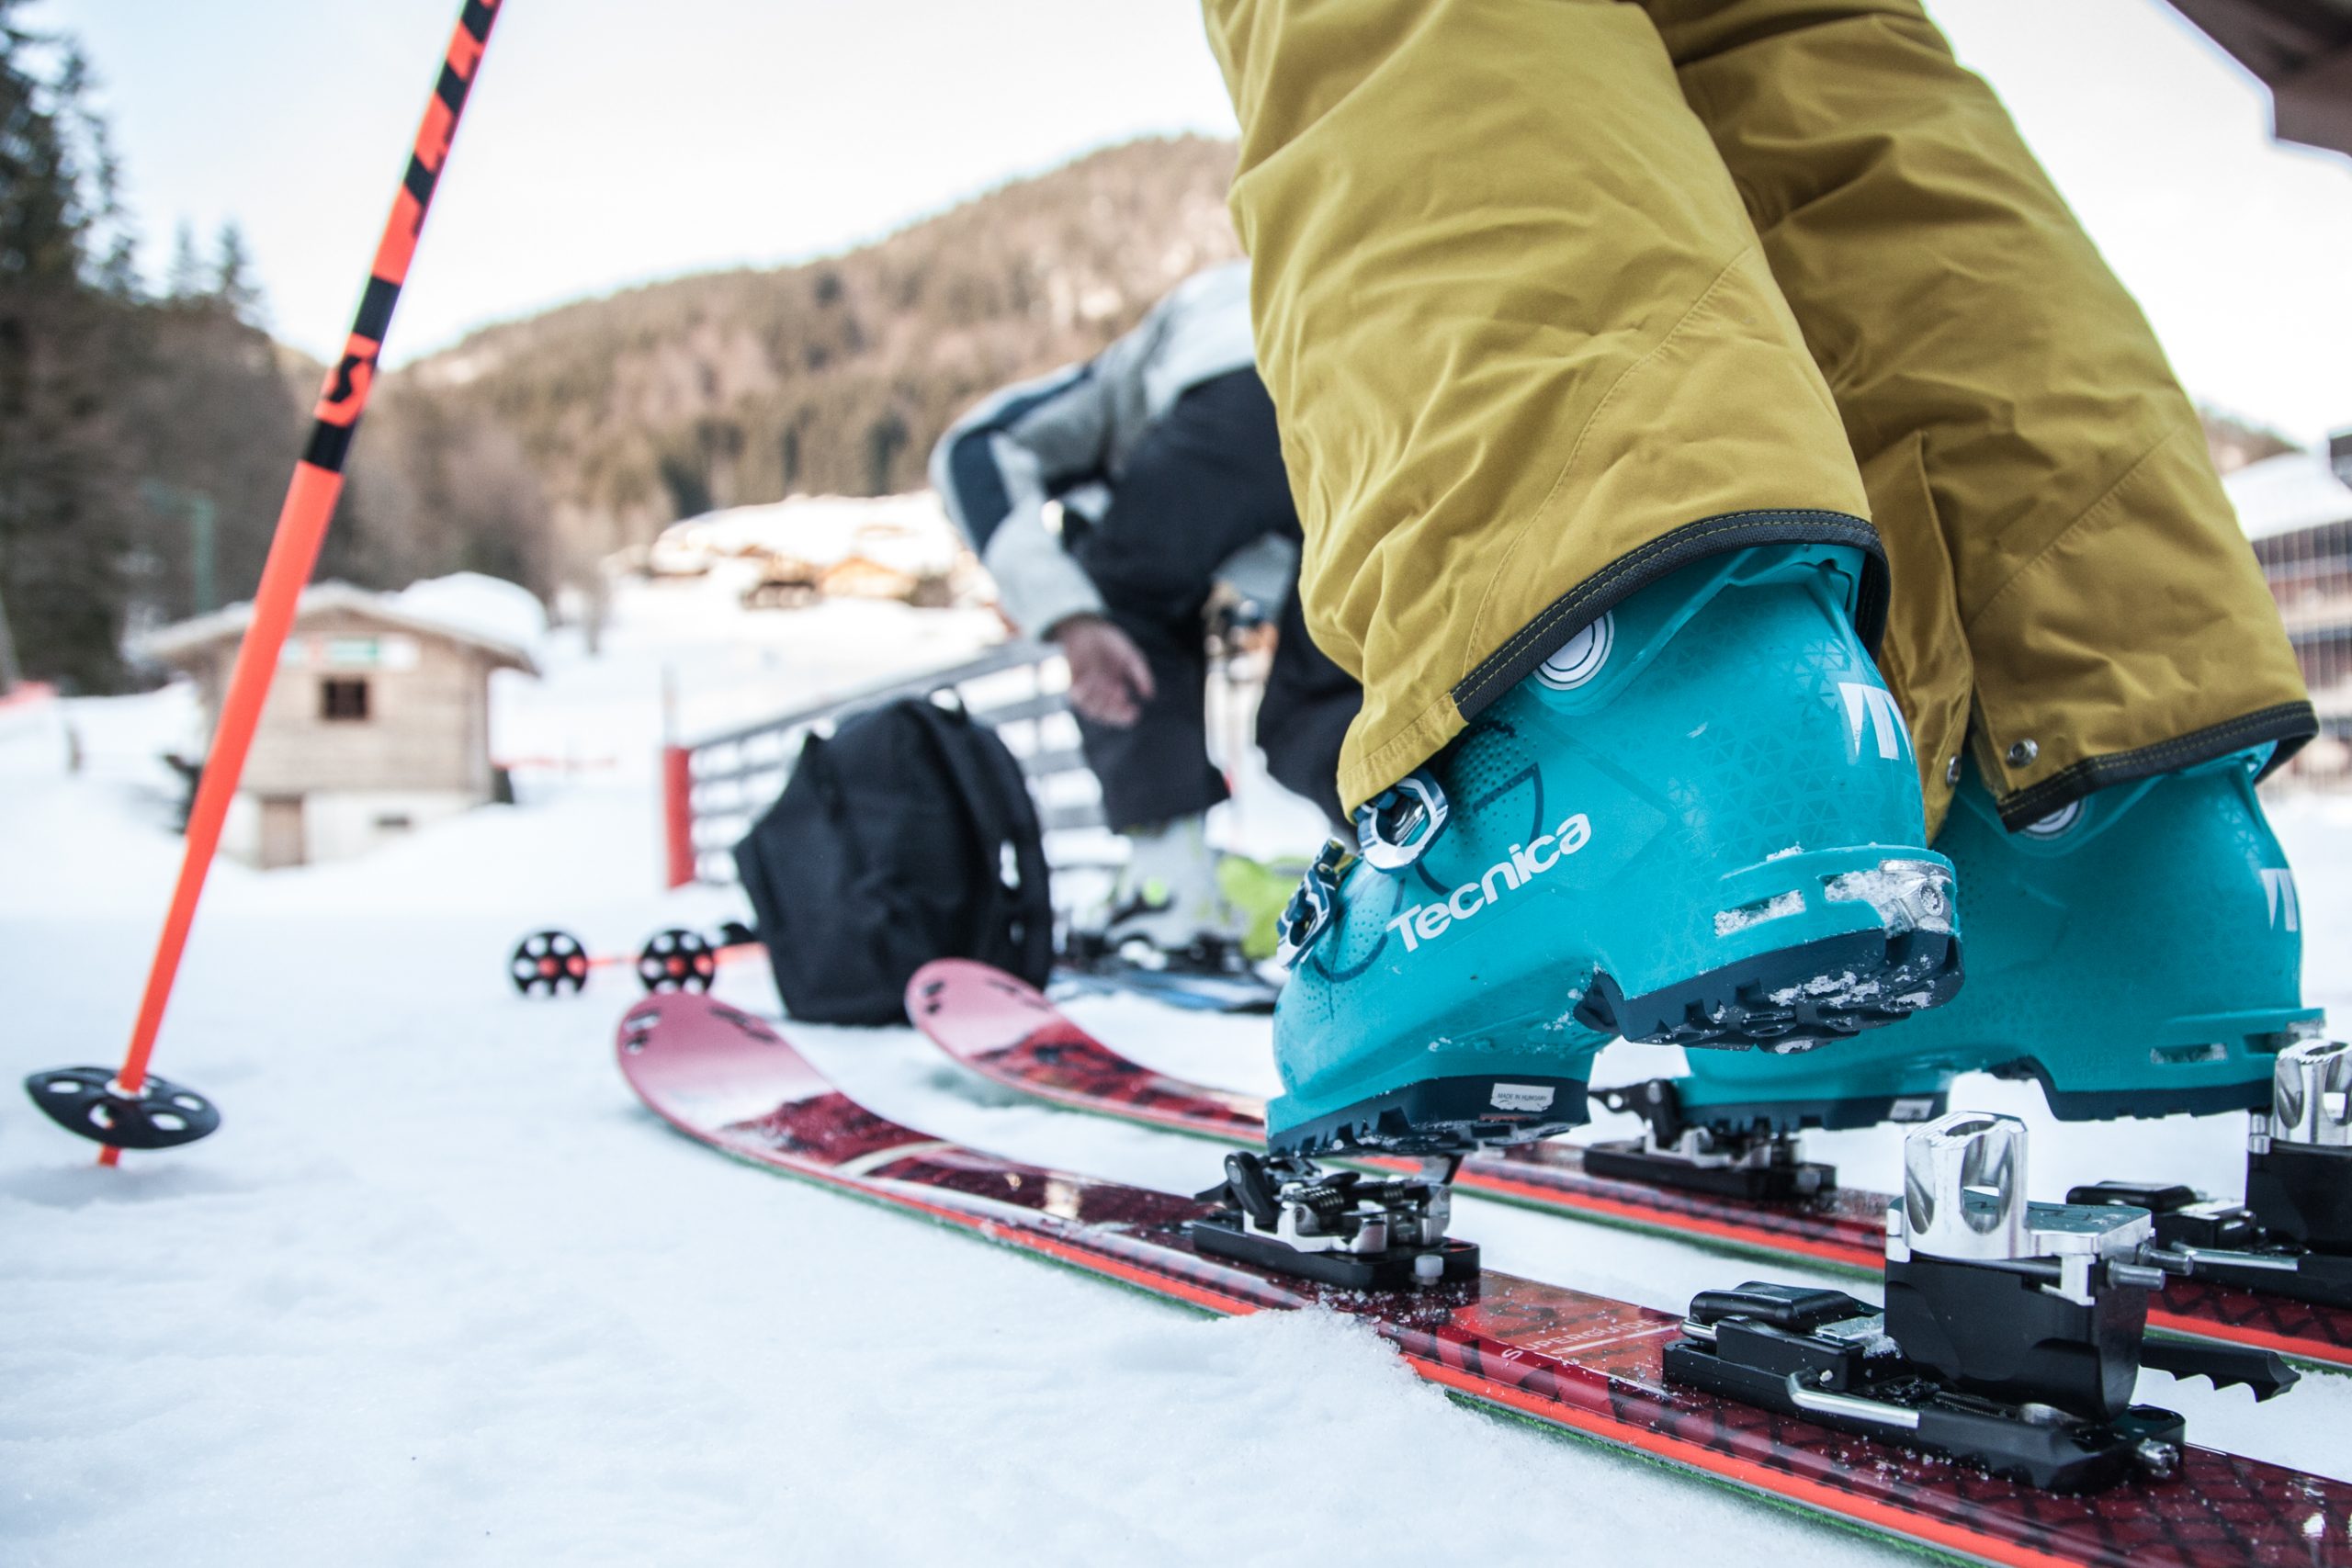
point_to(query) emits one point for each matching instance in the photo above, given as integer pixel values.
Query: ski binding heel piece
(1757, 1166)
(2292, 1236)
(1340, 1228)
(2299, 1169)
(2012, 1336)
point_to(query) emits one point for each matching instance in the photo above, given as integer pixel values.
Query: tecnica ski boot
(1698, 823)
(2138, 953)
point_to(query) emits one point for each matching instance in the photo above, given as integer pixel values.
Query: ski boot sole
(1843, 1113)
(1439, 1116)
(1829, 988)
(1878, 1109)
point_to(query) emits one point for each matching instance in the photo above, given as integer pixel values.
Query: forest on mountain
(837, 376)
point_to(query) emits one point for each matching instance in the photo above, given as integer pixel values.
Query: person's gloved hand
(1109, 678)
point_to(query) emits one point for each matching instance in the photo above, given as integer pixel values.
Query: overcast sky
(611, 142)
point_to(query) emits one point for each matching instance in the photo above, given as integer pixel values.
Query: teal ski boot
(2139, 953)
(1698, 823)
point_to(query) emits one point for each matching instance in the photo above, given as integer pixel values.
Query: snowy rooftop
(2284, 494)
(911, 532)
(501, 618)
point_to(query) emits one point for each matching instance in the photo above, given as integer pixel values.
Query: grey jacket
(1054, 437)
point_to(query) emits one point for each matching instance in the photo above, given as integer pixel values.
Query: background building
(378, 723)
(2297, 509)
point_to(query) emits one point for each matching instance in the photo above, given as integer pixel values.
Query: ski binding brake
(2292, 1236)
(1756, 1166)
(1340, 1228)
(2012, 1336)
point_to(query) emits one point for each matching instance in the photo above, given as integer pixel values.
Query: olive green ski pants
(1555, 296)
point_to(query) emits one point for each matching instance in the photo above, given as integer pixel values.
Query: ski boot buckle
(1308, 913)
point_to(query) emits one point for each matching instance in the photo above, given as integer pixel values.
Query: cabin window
(342, 700)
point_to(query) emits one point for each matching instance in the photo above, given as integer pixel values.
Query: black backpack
(907, 836)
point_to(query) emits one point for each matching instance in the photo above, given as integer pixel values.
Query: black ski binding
(2292, 1236)
(89, 1102)
(1210, 971)
(1340, 1227)
(548, 964)
(1756, 1165)
(1207, 953)
(2012, 1336)
(677, 960)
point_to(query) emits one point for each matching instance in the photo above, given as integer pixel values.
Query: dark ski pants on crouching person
(1206, 480)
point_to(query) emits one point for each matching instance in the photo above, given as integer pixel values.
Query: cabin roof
(183, 643)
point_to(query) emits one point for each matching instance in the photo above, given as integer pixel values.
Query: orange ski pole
(123, 1113)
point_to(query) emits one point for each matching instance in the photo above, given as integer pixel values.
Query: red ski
(1005, 1032)
(1578, 1363)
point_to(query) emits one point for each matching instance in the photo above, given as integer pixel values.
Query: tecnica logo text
(1425, 922)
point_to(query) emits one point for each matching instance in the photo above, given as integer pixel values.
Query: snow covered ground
(440, 1292)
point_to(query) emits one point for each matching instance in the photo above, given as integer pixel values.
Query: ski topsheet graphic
(1005, 1032)
(1580, 1363)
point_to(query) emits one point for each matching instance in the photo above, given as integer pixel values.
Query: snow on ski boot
(2013, 1333)
(1698, 822)
(1340, 1228)
(2292, 1236)
(2138, 953)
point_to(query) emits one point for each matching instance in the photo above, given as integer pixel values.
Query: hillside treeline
(837, 376)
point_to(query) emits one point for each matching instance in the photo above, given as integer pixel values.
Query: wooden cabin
(378, 723)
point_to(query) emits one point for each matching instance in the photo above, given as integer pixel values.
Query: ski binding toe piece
(1340, 1228)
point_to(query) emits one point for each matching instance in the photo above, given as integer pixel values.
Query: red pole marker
(131, 1111)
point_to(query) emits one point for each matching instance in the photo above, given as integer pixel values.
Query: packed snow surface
(440, 1291)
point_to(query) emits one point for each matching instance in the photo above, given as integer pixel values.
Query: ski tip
(686, 1016)
(705, 1065)
(929, 989)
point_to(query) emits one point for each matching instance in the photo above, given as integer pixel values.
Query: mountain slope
(835, 375)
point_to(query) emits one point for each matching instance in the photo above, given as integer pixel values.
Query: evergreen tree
(232, 276)
(64, 507)
(40, 214)
(185, 280)
(114, 238)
